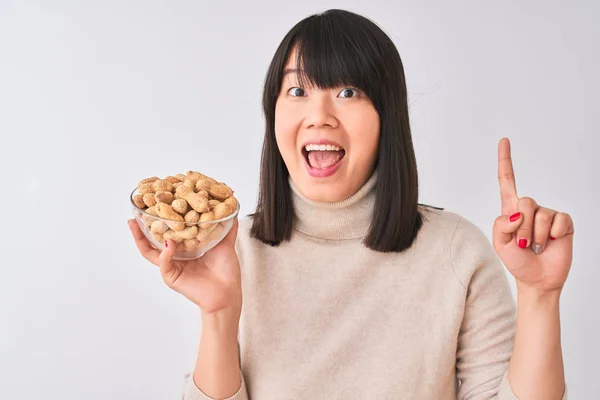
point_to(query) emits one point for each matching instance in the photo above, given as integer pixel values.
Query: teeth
(322, 147)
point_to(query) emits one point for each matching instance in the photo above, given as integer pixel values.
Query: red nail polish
(522, 243)
(166, 244)
(552, 238)
(515, 217)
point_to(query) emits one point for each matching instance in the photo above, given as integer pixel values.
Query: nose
(320, 112)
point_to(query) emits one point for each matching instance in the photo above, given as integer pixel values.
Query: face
(328, 138)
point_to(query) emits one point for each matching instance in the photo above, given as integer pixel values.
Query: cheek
(285, 132)
(365, 134)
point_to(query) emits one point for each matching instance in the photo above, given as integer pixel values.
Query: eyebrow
(290, 71)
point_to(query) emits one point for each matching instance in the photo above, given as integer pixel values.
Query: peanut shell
(231, 202)
(138, 200)
(164, 197)
(220, 191)
(147, 180)
(158, 227)
(180, 206)
(162, 185)
(166, 211)
(149, 199)
(191, 216)
(206, 217)
(222, 210)
(172, 235)
(146, 188)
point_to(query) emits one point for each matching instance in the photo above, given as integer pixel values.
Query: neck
(339, 220)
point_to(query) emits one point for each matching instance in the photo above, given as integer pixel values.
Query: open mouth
(323, 156)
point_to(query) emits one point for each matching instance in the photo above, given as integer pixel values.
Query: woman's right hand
(212, 282)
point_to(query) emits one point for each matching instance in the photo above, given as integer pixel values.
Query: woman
(351, 288)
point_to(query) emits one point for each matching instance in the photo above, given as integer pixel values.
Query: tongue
(324, 159)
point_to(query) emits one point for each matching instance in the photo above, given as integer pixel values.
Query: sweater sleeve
(486, 337)
(191, 391)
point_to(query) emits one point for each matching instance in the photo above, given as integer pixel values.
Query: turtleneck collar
(338, 220)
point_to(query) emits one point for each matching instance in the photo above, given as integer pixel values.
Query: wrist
(537, 298)
(222, 323)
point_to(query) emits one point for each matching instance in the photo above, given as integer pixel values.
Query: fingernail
(552, 238)
(522, 243)
(537, 249)
(515, 217)
(166, 244)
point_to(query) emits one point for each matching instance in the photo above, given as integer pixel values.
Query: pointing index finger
(506, 178)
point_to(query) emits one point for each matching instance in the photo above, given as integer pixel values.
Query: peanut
(176, 185)
(166, 211)
(190, 184)
(220, 191)
(158, 237)
(158, 227)
(164, 197)
(152, 211)
(162, 185)
(181, 177)
(188, 233)
(138, 200)
(232, 203)
(196, 176)
(191, 216)
(222, 210)
(173, 179)
(213, 203)
(146, 188)
(198, 203)
(204, 234)
(149, 199)
(147, 180)
(180, 205)
(203, 184)
(172, 235)
(206, 217)
(147, 220)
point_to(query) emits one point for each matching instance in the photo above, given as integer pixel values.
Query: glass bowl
(200, 236)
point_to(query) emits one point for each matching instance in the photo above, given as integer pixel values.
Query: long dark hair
(337, 48)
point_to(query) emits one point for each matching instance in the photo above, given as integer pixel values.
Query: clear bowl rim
(214, 221)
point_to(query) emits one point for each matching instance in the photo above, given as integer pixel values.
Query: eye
(349, 92)
(297, 92)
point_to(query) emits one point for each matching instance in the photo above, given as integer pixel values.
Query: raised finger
(528, 207)
(542, 222)
(506, 178)
(144, 246)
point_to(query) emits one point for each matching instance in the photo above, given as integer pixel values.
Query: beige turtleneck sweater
(324, 317)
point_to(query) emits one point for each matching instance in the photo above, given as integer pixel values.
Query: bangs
(333, 50)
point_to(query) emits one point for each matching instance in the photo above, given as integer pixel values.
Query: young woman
(351, 288)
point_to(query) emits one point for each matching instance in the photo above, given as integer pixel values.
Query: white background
(96, 95)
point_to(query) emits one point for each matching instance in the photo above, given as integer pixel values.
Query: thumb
(165, 262)
(505, 227)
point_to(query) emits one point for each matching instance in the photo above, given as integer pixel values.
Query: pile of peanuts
(186, 201)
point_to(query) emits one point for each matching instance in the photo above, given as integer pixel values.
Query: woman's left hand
(537, 245)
